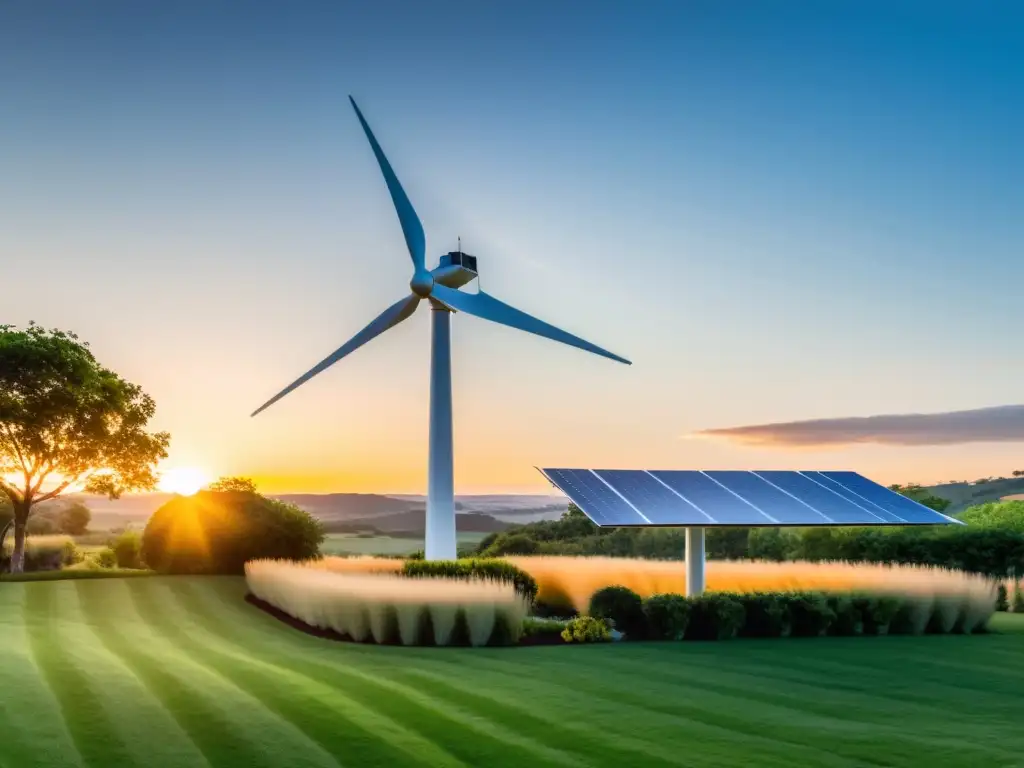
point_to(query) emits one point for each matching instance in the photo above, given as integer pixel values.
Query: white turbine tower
(440, 287)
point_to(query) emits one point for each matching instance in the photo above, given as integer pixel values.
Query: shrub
(547, 629)
(586, 629)
(622, 608)
(385, 608)
(511, 544)
(105, 558)
(1002, 604)
(554, 602)
(714, 616)
(766, 614)
(667, 616)
(848, 617)
(1017, 605)
(128, 550)
(218, 531)
(497, 570)
(877, 612)
(43, 553)
(809, 614)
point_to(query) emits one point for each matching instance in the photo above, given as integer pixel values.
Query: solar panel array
(628, 497)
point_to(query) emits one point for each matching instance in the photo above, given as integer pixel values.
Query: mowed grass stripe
(645, 685)
(614, 717)
(60, 648)
(468, 734)
(548, 722)
(656, 717)
(340, 721)
(874, 699)
(32, 724)
(132, 712)
(229, 726)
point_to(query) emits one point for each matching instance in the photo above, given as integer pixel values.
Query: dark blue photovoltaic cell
(599, 502)
(659, 505)
(899, 505)
(626, 497)
(846, 493)
(785, 509)
(831, 504)
(708, 496)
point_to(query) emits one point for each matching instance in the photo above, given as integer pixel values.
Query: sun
(183, 480)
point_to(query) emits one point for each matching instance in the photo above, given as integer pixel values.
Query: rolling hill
(964, 495)
(349, 511)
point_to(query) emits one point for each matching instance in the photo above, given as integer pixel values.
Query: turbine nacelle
(456, 269)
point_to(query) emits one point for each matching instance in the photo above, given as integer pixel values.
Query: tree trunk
(20, 524)
(18, 556)
(3, 535)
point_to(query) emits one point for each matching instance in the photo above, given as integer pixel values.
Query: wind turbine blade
(489, 308)
(411, 226)
(389, 318)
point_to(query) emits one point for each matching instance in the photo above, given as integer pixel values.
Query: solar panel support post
(694, 561)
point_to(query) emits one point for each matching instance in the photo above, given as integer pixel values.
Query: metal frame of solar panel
(695, 500)
(642, 498)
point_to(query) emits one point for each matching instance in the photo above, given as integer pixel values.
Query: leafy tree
(66, 421)
(236, 484)
(1018, 473)
(1008, 515)
(573, 512)
(74, 519)
(922, 496)
(511, 544)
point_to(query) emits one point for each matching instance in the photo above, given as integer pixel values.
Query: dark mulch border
(291, 621)
(330, 634)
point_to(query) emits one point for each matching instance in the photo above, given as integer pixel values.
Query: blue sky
(779, 212)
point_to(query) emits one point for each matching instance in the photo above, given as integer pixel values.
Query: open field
(350, 544)
(174, 671)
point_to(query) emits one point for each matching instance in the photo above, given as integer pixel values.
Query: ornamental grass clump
(927, 599)
(390, 609)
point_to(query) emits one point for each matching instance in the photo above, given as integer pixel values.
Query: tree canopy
(68, 422)
(922, 496)
(236, 484)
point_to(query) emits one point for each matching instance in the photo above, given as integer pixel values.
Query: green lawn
(350, 544)
(180, 671)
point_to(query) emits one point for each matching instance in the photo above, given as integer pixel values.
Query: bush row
(474, 568)
(723, 615)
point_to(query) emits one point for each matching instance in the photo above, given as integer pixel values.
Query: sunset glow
(183, 480)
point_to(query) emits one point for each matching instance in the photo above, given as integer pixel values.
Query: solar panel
(630, 497)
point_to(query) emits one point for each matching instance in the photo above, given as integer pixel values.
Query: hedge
(498, 570)
(724, 615)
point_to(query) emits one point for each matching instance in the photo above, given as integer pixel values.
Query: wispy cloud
(1004, 423)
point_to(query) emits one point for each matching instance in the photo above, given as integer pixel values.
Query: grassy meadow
(180, 671)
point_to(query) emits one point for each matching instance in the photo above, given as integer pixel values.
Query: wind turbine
(440, 286)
